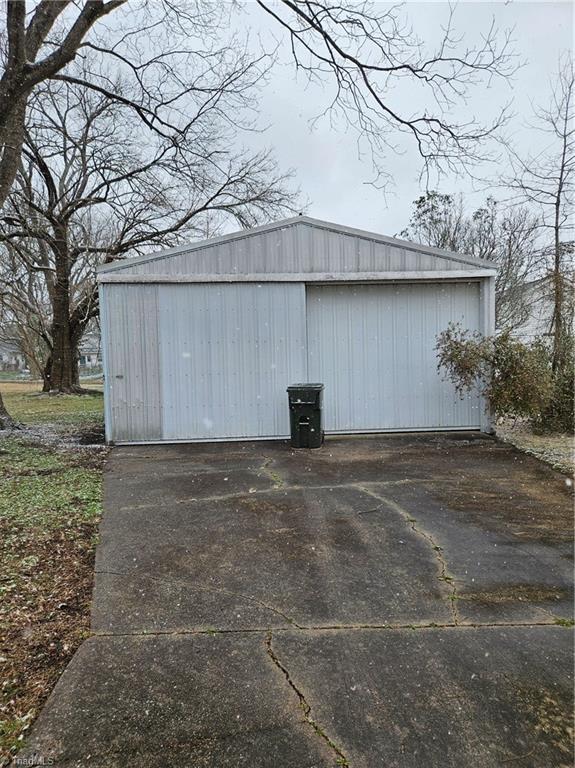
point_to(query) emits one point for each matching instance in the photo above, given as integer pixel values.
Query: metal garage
(201, 341)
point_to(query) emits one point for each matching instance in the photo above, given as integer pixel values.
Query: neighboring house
(89, 354)
(200, 342)
(538, 302)
(90, 357)
(11, 357)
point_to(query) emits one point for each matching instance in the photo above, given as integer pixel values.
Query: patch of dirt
(37, 472)
(47, 436)
(538, 511)
(556, 450)
(553, 722)
(87, 457)
(511, 593)
(44, 618)
(91, 436)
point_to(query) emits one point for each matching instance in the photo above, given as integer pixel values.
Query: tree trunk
(6, 421)
(47, 375)
(557, 356)
(11, 148)
(63, 369)
(75, 372)
(77, 328)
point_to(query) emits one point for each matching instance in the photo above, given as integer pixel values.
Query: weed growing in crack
(564, 622)
(275, 477)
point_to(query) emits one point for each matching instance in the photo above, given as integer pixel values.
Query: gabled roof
(238, 242)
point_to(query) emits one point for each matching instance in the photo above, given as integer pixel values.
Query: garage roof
(296, 249)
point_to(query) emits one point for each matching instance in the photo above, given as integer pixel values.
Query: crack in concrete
(212, 631)
(444, 576)
(275, 477)
(341, 759)
(370, 511)
(202, 588)
(284, 488)
(313, 629)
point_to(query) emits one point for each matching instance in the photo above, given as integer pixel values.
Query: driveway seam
(306, 707)
(293, 624)
(330, 628)
(444, 576)
(287, 488)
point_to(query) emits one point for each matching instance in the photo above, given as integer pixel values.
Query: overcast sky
(326, 162)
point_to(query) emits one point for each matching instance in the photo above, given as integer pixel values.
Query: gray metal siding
(212, 361)
(227, 353)
(373, 346)
(297, 248)
(132, 371)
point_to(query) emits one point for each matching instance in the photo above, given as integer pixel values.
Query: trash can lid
(304, 386)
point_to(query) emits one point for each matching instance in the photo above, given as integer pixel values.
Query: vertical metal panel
(103, 291)
(130, 345)
(373, 346)
(228, 352)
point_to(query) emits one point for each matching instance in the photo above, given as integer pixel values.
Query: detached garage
(201, 341)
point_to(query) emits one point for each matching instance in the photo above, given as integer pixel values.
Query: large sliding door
(202, 361)
(227, 353)
(373, 346)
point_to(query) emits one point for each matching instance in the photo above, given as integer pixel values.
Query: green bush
(559, 415)
(515, 378)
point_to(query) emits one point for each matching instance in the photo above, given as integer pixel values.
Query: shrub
(515, 378)
(559, 415)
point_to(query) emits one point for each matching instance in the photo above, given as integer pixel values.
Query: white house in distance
(200, 342)
(538, 304)
(89, 352)
(11, 357)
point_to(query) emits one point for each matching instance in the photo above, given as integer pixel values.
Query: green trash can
(305, 408)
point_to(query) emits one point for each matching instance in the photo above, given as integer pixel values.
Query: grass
(27, 404)
(565, 622)
(50, 505)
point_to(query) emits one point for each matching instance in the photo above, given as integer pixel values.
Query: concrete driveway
(383, 601)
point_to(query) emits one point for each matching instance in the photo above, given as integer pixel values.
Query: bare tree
(366, 51)
(38, 41)
(158, 46)
(30, 57)
(366, 54)
(90, 189)
(507, 237)
(545, 180)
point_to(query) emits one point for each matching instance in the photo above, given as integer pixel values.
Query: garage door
(373, 346)
(227, 353)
